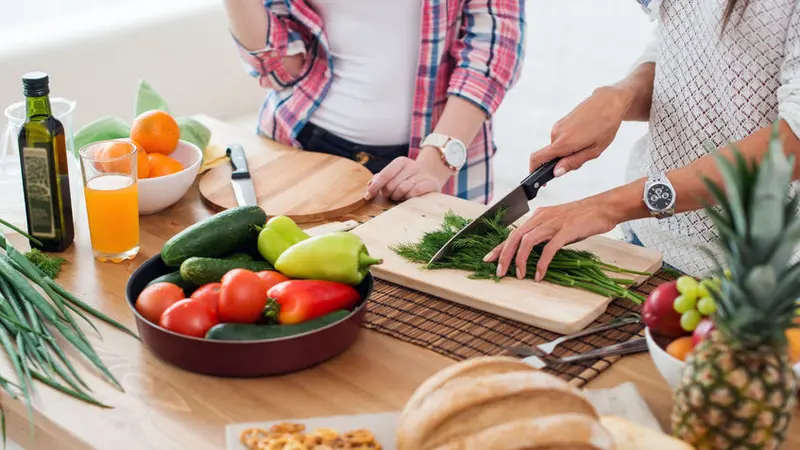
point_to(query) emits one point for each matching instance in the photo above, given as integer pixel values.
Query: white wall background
(97, 50)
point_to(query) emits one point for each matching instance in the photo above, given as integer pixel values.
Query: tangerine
(142, 163)
(680, 348)
(156, 131)
(793, 336)
(112, 157)
(162, 165)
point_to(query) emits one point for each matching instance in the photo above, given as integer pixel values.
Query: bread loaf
(496, 403)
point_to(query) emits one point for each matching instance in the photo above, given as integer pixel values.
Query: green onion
(38, 328)
(571, 268)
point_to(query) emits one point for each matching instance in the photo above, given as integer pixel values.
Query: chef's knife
(240, 177)
(515, 204)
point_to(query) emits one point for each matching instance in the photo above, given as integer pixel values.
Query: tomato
(271, 278)
(209, 294)
(243, 296)
(156, 298)
(189, 316)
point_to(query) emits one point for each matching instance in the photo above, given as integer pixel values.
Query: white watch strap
(435, 140)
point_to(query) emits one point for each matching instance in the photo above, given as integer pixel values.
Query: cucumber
(208, 270)
(176, 279)
(248, 332)
(221, 234)
(239, 257)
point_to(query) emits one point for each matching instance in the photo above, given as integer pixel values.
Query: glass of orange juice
(112, 198)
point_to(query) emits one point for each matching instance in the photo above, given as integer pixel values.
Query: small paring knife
(515, 204)
(240, 177)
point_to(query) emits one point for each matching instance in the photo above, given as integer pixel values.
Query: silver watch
(659, 196)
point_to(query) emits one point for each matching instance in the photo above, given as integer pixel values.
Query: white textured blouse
(710, 89)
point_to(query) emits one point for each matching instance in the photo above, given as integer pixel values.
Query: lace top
(710, 89)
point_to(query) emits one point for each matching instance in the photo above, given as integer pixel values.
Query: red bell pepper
(303, 300)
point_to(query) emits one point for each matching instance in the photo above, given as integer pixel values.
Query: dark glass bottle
(45, 173)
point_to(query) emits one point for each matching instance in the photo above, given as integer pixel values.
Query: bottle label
(39, 192)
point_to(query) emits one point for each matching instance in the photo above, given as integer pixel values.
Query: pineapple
(738, 390)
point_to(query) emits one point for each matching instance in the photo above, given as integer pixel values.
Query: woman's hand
(585, 132)
(558, 226)
(406, 178)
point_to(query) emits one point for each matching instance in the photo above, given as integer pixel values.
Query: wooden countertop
(166, 408)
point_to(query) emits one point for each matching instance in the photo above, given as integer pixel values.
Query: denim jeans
(373, 157)
(632, 238)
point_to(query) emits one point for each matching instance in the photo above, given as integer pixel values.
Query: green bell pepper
(277, 236)
(340, 256)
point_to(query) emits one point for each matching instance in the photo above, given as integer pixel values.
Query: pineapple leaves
(760, 282)
(769, 194)
(734, 184)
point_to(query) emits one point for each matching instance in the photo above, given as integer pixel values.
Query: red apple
(659, 315)
(702, 331)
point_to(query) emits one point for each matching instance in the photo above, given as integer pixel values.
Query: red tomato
(156, 298)
(189, 316)
(209, 294)
(271, 278)
(243, 296)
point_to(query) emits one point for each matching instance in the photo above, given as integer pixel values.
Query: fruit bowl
(244, 358)
(669, 366)
(158, 194)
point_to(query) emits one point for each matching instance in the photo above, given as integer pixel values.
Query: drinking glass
(110, 189)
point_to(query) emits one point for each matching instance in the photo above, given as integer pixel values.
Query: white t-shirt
(375, 48)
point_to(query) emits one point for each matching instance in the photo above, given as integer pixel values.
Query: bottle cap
(35, 84)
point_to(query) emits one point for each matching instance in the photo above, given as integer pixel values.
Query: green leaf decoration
(101, 130)
(148, 99)
(194, 132)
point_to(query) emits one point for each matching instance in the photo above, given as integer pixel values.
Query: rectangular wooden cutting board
(555, 308)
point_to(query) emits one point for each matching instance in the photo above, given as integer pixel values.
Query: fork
(637, 345)
(548, 347)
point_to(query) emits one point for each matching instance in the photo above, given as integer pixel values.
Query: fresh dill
(573, 268)
(50, 265)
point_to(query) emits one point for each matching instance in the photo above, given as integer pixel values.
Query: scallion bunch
(38, 323)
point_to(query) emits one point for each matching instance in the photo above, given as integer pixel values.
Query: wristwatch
(659, 196)
(453, 151)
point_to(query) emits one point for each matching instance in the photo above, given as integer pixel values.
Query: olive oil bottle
(45, 173)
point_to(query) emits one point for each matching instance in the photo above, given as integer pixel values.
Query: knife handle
(239, 162)
(539, 178)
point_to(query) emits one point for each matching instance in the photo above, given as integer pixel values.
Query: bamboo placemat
(459, 332)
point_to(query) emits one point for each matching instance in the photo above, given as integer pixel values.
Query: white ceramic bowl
(158, 194)
(670, 367)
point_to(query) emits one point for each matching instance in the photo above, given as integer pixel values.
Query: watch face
(456, 153)
(660, 196)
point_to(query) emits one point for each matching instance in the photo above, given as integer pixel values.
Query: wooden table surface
(166, 408)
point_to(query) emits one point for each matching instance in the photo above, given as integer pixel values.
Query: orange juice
(112, 207)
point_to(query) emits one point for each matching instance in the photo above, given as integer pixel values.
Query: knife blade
(515, 204)
(240, 177)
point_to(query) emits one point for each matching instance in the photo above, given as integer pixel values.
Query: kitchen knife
(240, 177)
(515, 204)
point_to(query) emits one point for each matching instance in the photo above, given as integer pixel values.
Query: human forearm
(637, 92)
(691, 192)
(462, 120)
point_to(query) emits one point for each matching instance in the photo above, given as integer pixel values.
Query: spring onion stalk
(38, 328)
(571, 268)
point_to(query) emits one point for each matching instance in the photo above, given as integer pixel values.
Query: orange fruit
(680, 347)
(793, 336)
(142, 163)
(162, 165)
(112, 157)
(156, 131)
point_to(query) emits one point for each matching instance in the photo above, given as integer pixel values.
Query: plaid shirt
(469, 48)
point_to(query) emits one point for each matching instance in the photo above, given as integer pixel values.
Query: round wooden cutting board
(306, 186)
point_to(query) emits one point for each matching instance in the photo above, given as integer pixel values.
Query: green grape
(706, 306)
(683, 303)
(690, 319)
(688, 287)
